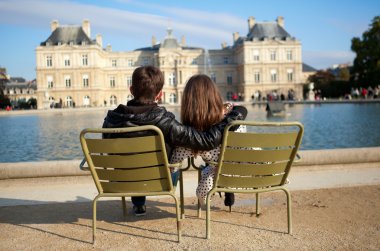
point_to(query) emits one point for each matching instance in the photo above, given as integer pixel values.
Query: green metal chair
(124, 167)
(257, 161)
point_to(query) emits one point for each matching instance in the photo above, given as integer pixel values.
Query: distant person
(202, 107)
(147, 83)
(364, 93)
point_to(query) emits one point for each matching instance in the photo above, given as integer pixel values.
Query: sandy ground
(323, 219)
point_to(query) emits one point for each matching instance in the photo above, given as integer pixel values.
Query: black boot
(229, 199)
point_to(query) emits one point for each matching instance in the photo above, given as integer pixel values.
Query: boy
(147, 83)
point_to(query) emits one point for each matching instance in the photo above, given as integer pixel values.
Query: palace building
(75, 70)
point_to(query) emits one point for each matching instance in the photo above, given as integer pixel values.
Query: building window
(257, 76)
(273, 75)
(256, 55)
(84, 60)
(130, 62)
(85, 80)
(112, 82)
(129, 97)
(145, 61)
(289, 55)
(194, 62)
(66, 59)
(273, 55)
(50, 83)
(226, 60)
(229, 78)
(68, 81)
(86, 101)
(51, 101)
(49, 61)
(172, 98)
(129, 81)
(213, 76)
(114, 62)
(290, 75)
(113, 100)
(69, 101)
(172, 80)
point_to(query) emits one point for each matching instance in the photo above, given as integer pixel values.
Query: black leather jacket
(175, 133)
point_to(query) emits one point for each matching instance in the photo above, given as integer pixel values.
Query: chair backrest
(137, 164)
(260, 157)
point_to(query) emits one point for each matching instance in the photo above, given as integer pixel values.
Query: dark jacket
(175, 133)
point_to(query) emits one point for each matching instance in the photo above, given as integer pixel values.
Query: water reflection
(56, 136)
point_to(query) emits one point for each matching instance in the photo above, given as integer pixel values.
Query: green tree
(4, 101)
(366, 67)
(344, 74)
(321, 77)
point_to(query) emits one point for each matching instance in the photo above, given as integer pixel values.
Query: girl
(201, 107)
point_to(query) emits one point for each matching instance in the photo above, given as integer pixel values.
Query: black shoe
(229, 199)
(139, 210)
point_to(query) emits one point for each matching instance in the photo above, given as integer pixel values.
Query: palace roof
(68, 35)
(268, 30)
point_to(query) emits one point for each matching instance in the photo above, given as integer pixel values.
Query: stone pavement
(33, 191)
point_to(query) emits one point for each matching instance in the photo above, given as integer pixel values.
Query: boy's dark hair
(147, 82)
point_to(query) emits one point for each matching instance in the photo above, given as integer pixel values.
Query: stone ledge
(333, 158)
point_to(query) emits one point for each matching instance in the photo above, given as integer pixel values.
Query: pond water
(55, 136)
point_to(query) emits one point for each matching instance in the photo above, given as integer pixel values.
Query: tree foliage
(366, 67)
(4, 101)
(321, 77)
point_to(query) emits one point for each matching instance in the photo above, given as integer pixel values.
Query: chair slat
(240, 155)
(249, 182)
(150, 173)
(128, 161)
(253, 169)
(122, 145)
(264, 140)
(139, 187)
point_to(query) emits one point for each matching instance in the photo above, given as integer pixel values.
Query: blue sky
(324, 27)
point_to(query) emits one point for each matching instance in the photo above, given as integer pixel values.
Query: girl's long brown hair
(202, 105)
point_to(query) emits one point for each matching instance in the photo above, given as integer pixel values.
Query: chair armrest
(82, 167)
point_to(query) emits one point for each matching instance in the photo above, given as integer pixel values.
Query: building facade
(75, 70)
(17, 89)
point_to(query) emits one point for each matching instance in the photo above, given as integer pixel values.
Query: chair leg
(208, 219)
(124, 206)
(257, 205)
(94, 219)
(181, 195)
(178, 217)
(289, 207)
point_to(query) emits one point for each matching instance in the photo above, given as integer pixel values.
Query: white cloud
(325, 59)
(209, 29)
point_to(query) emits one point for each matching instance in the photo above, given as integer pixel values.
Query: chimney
(54, 25)
(109, 48)
(224, 45)
(183, 41)
(86, 27)
(235, 36)
(280, 21)
(154, 41)
(99, 40)
(251, 23)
